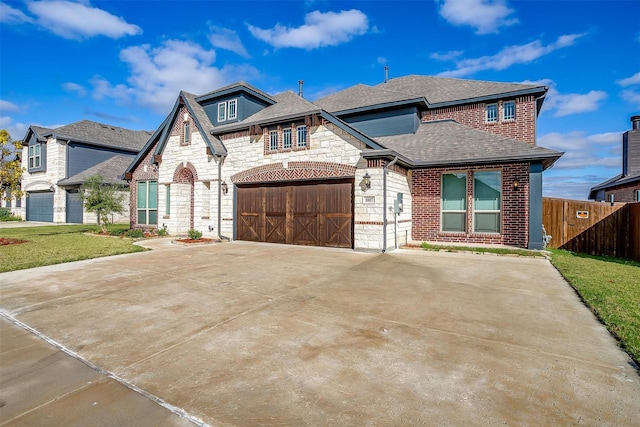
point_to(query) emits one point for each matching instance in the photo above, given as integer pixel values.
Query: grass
(59, 244)
(610, 287)
(499, 251)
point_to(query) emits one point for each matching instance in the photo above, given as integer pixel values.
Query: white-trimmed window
(286, 139)
(492, 113)
(186, 129)
(232, 109)
(302, 136)
(222, 111)
(147, 205)
(454, 202)
(273, 140)
(35, 157)
(487, 195)
(509, 111)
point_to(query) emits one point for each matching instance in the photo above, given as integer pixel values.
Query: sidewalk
(42, 385)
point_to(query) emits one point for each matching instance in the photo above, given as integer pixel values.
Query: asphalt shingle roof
(110, 170)
(448, 142)
(94, 133)
(436, 90)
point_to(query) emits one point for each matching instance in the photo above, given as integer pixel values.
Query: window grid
(222, 111)
(487, 195)
(286, 139)
(232, 109)
(454, 202)
(34, 156)
(273, 140)
(302, 136)
(509, 111)
(147, 202)
(492, 113)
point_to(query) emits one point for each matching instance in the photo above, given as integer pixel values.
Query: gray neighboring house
(58, 161)
(624, 187)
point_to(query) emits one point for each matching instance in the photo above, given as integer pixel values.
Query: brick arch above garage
(294, 171)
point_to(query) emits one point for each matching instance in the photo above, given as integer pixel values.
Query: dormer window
(232, 109)
(509, 111)
(222, 111)
(492, 113)
(34, 156)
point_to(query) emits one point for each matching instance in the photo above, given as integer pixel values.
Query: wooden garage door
(316, 214)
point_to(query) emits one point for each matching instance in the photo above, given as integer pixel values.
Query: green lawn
(610, 287)
(58, 244)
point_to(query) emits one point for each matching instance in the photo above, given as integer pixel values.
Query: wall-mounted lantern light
(516, 183)
(365, 184)
(224, 187)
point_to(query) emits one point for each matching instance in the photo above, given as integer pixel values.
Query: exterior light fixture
(224, 187)
(365, 184)
(516, 184)
(52, 188)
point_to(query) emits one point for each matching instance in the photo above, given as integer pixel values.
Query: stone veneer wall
(523, 128)
(426, 185)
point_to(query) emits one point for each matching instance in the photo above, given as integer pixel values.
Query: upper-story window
(302, 136)
(35, 158)
(232, 109)
(509, 110)
(187, 133)
(273, 140)
(286, 139)
(222, 111)
(492, 113)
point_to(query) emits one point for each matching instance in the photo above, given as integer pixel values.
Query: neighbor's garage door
(317, 214)
(40, 206)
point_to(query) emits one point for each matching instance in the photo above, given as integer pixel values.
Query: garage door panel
(40, 206)
(318, 214)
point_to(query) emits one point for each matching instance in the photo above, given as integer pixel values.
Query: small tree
(101, 198)
(10, 167)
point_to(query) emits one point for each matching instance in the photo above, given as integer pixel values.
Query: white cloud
(573, 103)
(446, 56)
(227, 39)
(159, 73)
(74, 87)
(510, 55)
(9, 15)
(382, 60)
(8, 106)
(585, 151)
(76, 20)
(486, 16)
(633, 80)
(632, 97)
(570, 103)
(319, 30)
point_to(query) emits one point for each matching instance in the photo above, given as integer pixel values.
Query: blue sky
(124, 62)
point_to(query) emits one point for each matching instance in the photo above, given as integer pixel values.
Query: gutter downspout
(384, 203)
(220, 236)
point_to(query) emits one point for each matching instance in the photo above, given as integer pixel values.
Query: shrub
(162, 231)
(195, 234)
(6, 215)
(136, 233)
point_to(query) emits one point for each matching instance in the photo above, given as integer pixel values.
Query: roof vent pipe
(386, 73)
(300, 84)
(635, 122)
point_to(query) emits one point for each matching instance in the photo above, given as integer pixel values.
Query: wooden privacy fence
(593, 227)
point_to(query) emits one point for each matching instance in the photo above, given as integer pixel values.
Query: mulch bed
(191, 241)
(6, 241)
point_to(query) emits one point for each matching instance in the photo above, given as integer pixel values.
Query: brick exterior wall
(426, 201)
(140, 174)
(523, 128)
(623, 193)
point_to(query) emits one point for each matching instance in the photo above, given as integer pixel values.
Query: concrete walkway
(257, 334)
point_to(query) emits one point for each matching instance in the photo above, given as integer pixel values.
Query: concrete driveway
(258, 334)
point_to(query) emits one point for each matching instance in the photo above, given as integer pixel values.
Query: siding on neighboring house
(395, 122)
